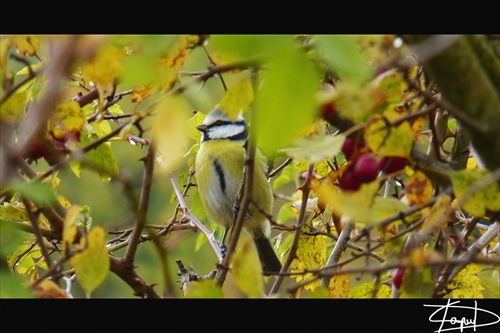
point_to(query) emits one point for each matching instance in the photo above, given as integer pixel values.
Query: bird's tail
(270, 261)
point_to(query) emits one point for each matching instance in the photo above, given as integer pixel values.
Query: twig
(183, 207)
(142, 209)
(337, 250)
(301, 221)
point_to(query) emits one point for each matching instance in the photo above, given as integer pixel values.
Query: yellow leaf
(26, 44)
(356, 205)
(389, 141)
(475, 202)
(365, 290)
(471, 163)
(171, 131)
(142, 91)
(170, 64)
(356, 102)
(92, 263)
(339, 286)
(67, 121)
(237, 99)
(438, 216)
(12, 110)
(48, 289)
(247, 269)
(5, 44)
(203, 289)
(70, 229)
(14, 212)
(418, 189)
(311, 254)
(466, 284)
(105, 68)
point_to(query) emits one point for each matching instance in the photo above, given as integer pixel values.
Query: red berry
(59, 144)
(348, 147)
(327, 110)
(391, 164)
(366, 168)
(37, 149)
(348, 181)
(398, 277)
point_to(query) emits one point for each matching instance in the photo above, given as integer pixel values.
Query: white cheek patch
(225, 131)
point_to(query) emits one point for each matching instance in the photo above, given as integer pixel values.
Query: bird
(219, 171)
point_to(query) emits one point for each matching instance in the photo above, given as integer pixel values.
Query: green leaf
(286, 213)
(26, 258)
(101, 158)
(26, 70)
(316, 148)
(491, 282)
(246, 46)
(92, 263)
(247, 269)
(101, 127)
(417, 283)
(343, 54)
(193, 122)
(286, 175)
(475, 202)
(385, 207)
(115, 109)
(286, 95)
(206, 288)
(40, 193)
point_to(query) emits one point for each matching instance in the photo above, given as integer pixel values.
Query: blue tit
(219, 172)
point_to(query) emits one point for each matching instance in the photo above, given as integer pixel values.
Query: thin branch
(187, 213)
(301, 221)
(280, 167)
(337, 250)
(469, 256)
(142, 209)
(21, 83)
(38, 234)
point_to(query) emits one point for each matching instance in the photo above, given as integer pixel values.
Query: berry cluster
(363, 166)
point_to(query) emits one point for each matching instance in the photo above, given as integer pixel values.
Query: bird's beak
(202, 128)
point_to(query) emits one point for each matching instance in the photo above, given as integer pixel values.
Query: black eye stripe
(215, 131)
(224, 123)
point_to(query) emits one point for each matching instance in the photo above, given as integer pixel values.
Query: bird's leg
(222, 244)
